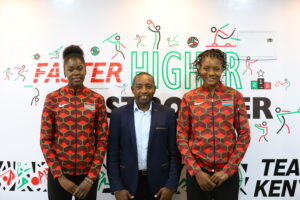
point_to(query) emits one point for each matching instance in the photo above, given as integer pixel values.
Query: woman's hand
(66, 184)
(83, 189)
(219, 177)
(204, 181)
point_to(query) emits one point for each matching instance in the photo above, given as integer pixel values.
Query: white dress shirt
(142, 121)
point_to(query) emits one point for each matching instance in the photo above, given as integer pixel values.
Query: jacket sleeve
(183, 137)
(101, 133)
(242, 128)
(175, 163)
(47, 138)
(113, 153)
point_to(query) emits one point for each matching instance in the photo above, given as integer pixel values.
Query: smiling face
(143, 89)
(210, 70)
(75, 71)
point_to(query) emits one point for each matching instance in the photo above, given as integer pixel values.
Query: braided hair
(212, 53)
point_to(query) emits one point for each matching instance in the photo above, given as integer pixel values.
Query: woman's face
(75, 71)
(210, 70)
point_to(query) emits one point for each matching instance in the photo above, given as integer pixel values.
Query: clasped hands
(208, 183)
(78, 191)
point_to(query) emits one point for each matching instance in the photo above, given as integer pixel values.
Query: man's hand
(67, 185)
(204, 181)
(123, 195)
(83, 189)
(164, 194)
(219, 177)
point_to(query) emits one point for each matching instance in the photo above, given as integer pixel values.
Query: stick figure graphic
(117, 43)
(156, 30)
(139, 39)
(36, 97)
(7, 73)
(21, 71)
(248, 62)
(173, 42)
(286, 83)
(150, 22)
(20, 169)
(265, 130)
(281, 118)
(123, 87)
(221, 34)
(55, 54)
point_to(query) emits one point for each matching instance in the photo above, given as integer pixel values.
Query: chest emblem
(89, 106)
(227, 102)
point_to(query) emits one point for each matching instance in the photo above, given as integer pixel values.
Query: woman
(73, 133)
(212, 132)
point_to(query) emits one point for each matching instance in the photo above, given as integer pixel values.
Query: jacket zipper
(76, 133)
(214, 137)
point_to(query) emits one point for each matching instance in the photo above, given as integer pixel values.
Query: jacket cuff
(228, 171)
(116, 189)
(92, 177)
(171, 186)
(57, 173)
(193, 171)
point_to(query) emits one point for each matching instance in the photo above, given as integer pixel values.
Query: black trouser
(56, 192)
(143, 192)
(229, 190)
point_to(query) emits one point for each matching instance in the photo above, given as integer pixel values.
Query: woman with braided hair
(212, 132)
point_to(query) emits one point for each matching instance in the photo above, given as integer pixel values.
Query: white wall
(32, 26)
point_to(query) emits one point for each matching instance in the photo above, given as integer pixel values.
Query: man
(143, 159)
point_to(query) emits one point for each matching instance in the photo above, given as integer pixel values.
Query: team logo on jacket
(198, 103)
(89, 106)
(227, 102)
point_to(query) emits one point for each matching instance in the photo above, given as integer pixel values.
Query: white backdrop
(261, 39)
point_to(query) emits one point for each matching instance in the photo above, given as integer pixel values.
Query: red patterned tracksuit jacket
(74, 132)
(213, 131)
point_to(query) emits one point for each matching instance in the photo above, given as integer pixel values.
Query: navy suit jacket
(163, 157)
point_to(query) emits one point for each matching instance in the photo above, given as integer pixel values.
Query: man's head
(143, 88)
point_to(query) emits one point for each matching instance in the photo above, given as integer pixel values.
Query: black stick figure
(157, 33)
(35, 98)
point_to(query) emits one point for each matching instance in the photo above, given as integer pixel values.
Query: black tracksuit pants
(56, 192)
(229, 190)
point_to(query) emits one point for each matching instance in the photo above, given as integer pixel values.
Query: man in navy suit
(142, 156)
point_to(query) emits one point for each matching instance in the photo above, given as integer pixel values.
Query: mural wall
(124, 37)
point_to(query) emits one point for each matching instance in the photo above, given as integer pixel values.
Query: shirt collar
(69, 90)
(219, 87)
(136, 108)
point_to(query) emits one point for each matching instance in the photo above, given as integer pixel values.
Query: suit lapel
(154, 116)
(132, 126)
